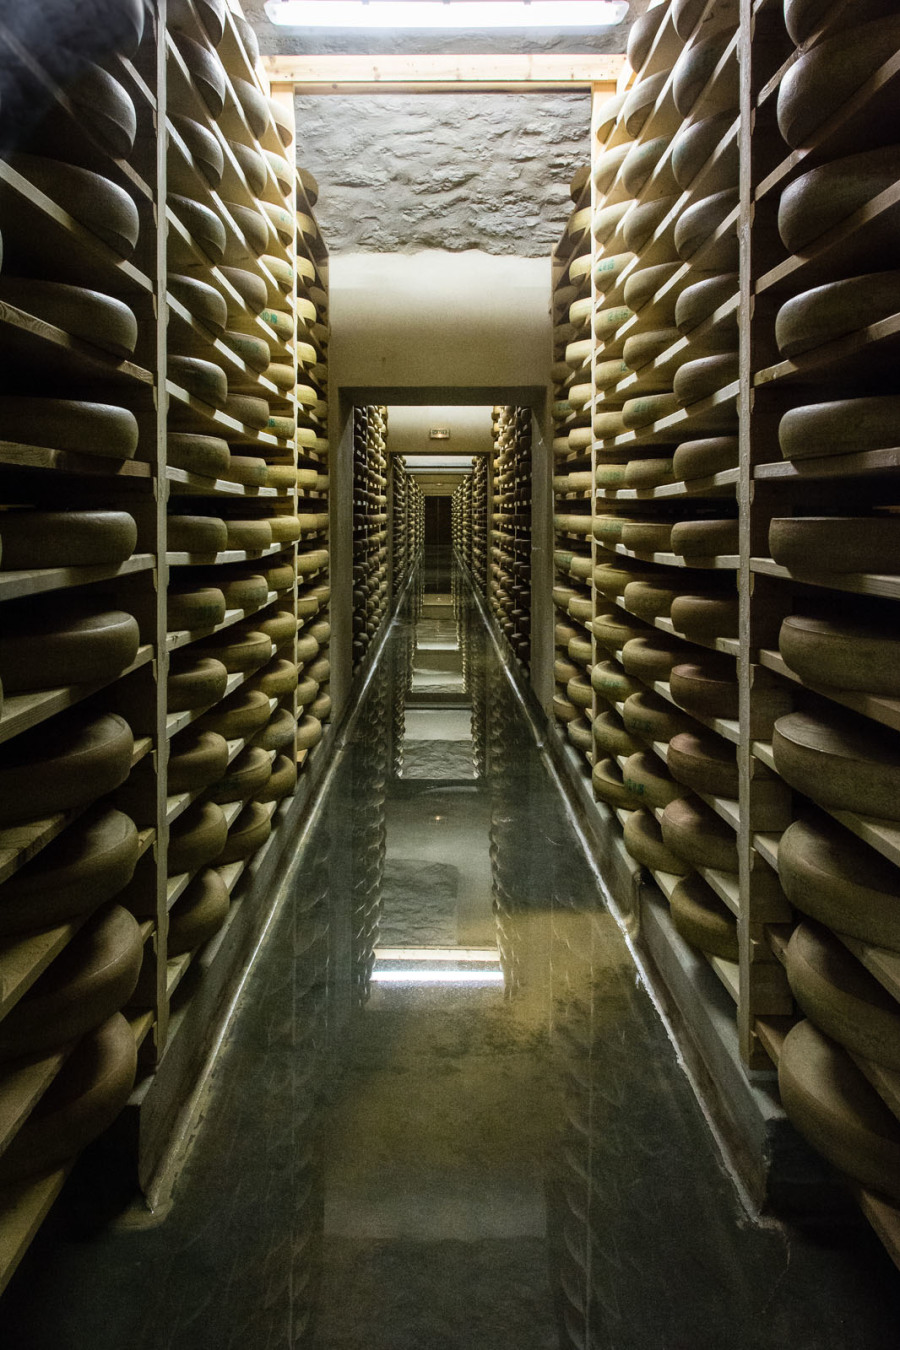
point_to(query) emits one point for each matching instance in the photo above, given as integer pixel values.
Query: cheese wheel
(604, 426)
(846, 426)
(252, 412)
(206, 72)
(831, 875)
(697, 834)
(105, 108)
(309, 732)
(698, 302)
(607, 219)
(706, 687)
(203, 145)
(36, 539)
(643, 283)
(306, 691)
(607, 271)
(702, 920)
(247, 592)
(641, 348)
(239, 716)
(310, 562)
(841, 998)
(282, 222)
(197, 683)
(651, 658)
(579, 692)
(207, 456)
(611, 682)
(828, 312)
(201, 300)
(640, 163)
(250, 287)
(66, 763)
(306, 650)
(102, 207)
(694, 68)
(702, 459)
(646, 778)
(611, 579)
(202, 224)
(281, 376)
(48, 650)
(245, 776)
(825, 77)
(252, 225)
(90, 980)
(705, 538)
(281, 627)
(823, 198)
(278, 678)
(648, 536)
(279, 732)
(240, 650)
(607, 165)
(610, 787)
(695, 143)
(563, 710)
(196, 534)
(283, 171)
(89, 1091)
(612, 737)
(196, 759)
(837, 1111)
(803, 17)
(247, 469)
(89, 863)
(581, 607)
(254, 351)
(198, 913)
(843, 763)
(614, 629)
(283, 118)
(202, 379)
(843, 655)
(282, 780)
(280, 577)
(196, 838)
(248, 833)
(705, 617)
(254, 105)
(649, 599)
(651, 717)
(210, 12)
(649, 408)
(579, 733)
(645, 220)
(697, 224)
(99, 319)
(642, 35)
(252, 166)
(644, 842)
(247, 34)
(705, 762)
(836, 543)
(70, 424)
(248, 535)
(606, 116)
(321, 630)
(640, 101)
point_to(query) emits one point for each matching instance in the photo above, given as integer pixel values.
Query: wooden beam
(368, 74)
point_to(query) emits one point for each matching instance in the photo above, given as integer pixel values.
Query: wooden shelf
(860, 583)
(14, 585)
(22, 711)
(879, 709)
(23, 1209)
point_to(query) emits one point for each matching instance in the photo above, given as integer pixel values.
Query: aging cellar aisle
(446, 1113)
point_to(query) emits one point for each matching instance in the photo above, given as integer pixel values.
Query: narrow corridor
(447, 1113)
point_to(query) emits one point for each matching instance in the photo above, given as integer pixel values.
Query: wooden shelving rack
(668, 475)
(247, 536)
(406, 512)
(370, 534)
(510, 570)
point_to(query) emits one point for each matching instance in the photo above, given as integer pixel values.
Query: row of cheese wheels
(370, 547)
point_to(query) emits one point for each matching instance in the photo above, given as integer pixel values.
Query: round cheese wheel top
(822, 198)
(252, 165)
(36, 539)
(254, 105)
(840, 427)
(69, 762)
(201, 300)
(844, 763)
(837, 1111)
(204, 147)
(99, 205)
(703, 920)
(824, 77)
(198, 913)
(694, 831)
(69, 424)
(831, 875)
(642, 34)
(843, 654)
(206, 72)
(88, 864)
(99, 319)
(695, 143)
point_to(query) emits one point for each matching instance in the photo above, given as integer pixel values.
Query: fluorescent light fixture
(435, 976)
(447, 13)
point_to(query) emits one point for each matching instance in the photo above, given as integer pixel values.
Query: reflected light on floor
(432, 965)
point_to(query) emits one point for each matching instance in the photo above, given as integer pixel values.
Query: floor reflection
(447, 1114)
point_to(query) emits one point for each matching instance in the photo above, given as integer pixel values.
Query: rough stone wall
(401, 173)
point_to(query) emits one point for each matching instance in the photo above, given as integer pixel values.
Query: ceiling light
(447, 13)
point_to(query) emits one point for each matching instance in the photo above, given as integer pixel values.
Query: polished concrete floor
(446, 1114)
